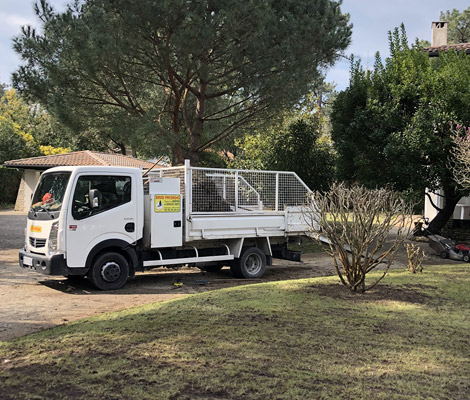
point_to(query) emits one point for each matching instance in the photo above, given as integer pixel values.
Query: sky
(372, 20)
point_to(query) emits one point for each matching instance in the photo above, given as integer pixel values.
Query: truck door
(114, 218)
(164, 213)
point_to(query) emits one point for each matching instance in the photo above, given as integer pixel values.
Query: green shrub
(9, 183)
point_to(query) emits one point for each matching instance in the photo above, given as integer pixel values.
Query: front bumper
(53, 265)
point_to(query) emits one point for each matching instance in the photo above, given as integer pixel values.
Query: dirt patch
(407, 294)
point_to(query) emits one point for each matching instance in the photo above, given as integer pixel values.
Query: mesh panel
(291, 191)
(215, 190)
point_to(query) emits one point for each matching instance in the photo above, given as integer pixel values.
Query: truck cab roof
(95, 169)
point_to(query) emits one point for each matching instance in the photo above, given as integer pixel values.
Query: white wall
(462, 209)
(429, 211)
(28, 184)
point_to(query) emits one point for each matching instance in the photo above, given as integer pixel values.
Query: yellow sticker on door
(167, 203)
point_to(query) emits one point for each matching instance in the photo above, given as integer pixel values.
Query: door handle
(130, 227)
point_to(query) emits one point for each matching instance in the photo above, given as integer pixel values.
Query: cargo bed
(235, 203)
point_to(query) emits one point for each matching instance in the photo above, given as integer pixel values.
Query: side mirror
(95, 198)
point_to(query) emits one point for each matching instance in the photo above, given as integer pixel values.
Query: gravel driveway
(31, 301)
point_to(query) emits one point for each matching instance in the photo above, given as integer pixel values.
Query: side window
(113, 192)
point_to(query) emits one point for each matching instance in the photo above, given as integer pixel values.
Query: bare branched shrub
(357, 223)
(416, 256)
(460, 164)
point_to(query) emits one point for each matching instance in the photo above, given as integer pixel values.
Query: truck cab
(81, 214)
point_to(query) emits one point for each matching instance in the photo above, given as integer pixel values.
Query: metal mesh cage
(244, 191)
(229, 190)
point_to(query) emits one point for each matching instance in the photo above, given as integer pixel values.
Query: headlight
(52, 242)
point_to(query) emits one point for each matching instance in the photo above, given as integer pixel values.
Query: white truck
(106, 223)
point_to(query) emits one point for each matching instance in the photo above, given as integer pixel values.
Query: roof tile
(85, 157)
(434, 50)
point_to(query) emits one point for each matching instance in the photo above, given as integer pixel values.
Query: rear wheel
(444, 254)
(466, 258)
(109, 271)
(250, 265)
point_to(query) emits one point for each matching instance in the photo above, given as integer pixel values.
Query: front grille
(35, 242)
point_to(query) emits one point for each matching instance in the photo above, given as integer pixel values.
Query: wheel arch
(117, 245)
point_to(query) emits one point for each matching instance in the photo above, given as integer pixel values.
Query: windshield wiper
(48, 213)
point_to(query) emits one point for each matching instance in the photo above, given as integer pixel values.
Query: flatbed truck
(106, 223)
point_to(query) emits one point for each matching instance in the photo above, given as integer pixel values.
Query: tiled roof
(434, 50)
(85, 157)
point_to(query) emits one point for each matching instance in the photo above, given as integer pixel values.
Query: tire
(212, 268)
(250, 265)
(466, 258)
(444, 254)
(109, 271)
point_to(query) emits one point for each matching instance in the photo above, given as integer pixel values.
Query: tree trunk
(452, 197)
(178, 155)
(196, 130)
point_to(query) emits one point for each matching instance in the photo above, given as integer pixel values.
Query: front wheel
(250, 265)
(109, 271)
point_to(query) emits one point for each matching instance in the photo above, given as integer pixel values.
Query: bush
(357, 223)
(9, 183)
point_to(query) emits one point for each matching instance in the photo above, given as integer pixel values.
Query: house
(34, 166)
(461, 210)
(439, 41)
(439, 44)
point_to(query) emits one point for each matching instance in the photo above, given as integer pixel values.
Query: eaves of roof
(434, 51)
(76, 158)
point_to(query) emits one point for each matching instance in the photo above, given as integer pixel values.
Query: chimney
(439, 34)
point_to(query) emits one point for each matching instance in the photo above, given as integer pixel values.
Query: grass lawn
(307, 339)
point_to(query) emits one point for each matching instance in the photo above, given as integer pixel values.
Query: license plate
(27, 261)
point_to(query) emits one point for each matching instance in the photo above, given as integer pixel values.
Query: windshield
(50, 192)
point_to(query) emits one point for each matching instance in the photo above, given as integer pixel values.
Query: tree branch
(432, 202)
